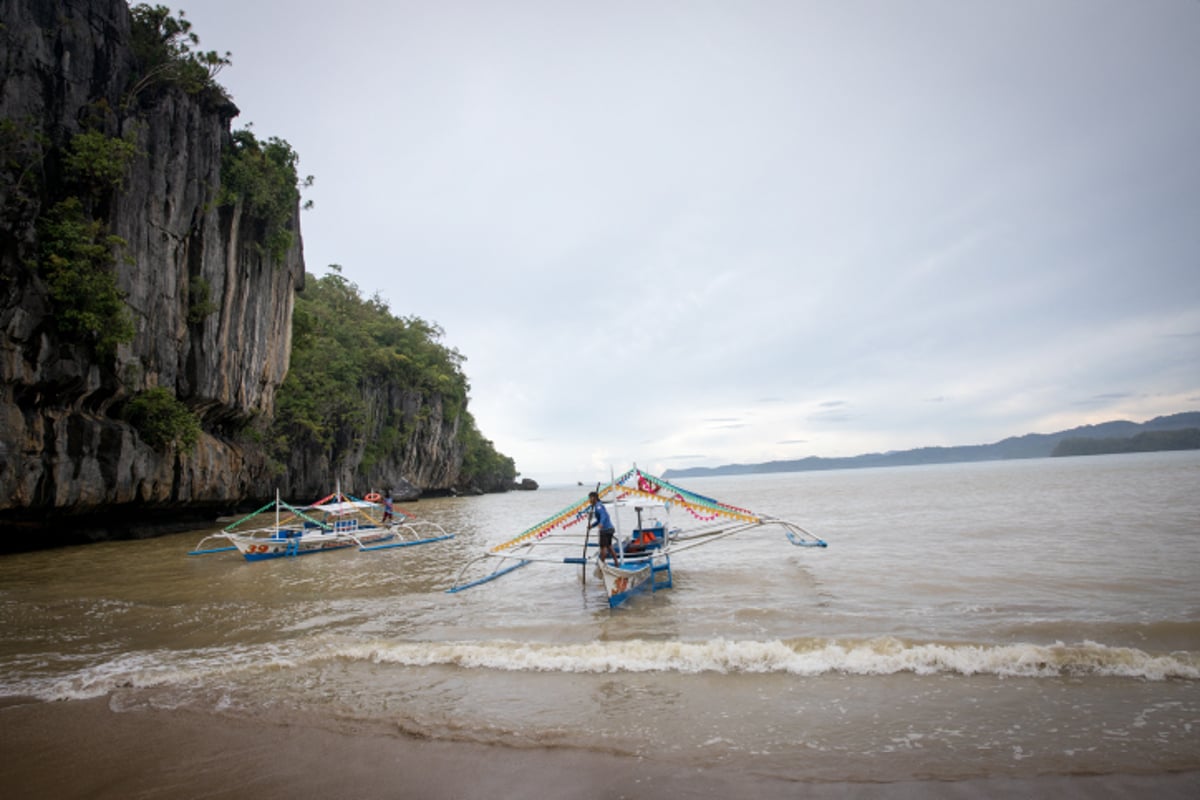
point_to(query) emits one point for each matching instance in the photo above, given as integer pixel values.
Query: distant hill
(1144, 442)
(1109, 437)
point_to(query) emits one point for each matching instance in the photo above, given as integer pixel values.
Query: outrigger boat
(332, 523)
(640, 505)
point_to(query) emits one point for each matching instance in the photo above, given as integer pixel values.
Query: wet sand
(81, 749)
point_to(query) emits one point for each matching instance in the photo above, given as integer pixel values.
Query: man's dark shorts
(606, 535)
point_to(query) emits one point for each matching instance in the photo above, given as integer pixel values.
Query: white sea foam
(807, 657)
(145, 670)
(878, 656)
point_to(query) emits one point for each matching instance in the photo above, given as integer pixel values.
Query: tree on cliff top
(164, 48)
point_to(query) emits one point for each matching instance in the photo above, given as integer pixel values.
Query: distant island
(1146, 442)
(1173, 432)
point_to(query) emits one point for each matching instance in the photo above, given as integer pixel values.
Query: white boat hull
(285, 543)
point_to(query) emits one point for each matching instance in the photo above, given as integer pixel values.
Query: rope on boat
(251, 515)
(304, 516)
(229, 528)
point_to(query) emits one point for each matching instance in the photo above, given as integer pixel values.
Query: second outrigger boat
(332, 523)
(640, 505)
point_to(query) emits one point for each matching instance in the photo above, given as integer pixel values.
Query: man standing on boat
(600, 519)
(387, 507)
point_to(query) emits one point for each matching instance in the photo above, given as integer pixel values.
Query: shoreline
(82, 749)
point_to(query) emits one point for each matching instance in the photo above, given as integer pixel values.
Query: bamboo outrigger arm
(500, 571)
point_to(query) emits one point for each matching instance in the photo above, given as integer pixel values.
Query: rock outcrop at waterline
(209, 299)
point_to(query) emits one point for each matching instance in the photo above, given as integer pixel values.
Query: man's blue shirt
(601, 516)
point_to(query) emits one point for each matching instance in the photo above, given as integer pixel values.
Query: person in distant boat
(387, 507)
(601, 520)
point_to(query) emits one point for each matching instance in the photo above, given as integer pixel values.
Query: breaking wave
(195, 670)
(807, 657)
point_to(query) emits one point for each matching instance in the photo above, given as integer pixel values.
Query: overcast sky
(695, 233)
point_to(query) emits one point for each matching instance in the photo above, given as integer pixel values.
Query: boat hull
(623, 582)
(263, 548)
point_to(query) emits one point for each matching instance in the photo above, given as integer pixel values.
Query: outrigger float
(332, 523)
(640, 505)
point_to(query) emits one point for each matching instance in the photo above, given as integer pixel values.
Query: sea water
(1016, 618)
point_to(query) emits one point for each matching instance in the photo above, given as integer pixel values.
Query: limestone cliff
(67, 66)
(210, 304)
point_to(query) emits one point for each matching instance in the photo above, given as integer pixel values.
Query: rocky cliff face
(63, 446)
(66, 451)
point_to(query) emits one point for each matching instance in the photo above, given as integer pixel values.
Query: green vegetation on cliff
(77, 264)
(262, 177)
(77, 254)
(162, 420)
(98, 162)
(342, 344)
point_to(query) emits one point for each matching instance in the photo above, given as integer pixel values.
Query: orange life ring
(373, 497)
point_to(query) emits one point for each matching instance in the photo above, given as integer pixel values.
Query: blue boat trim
(212, 550)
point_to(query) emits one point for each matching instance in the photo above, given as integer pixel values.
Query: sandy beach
(81, 749)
